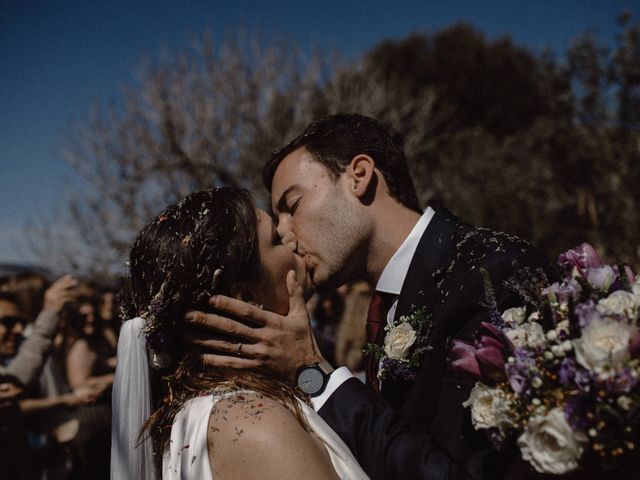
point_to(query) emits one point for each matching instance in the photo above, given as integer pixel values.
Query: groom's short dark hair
(333, 141)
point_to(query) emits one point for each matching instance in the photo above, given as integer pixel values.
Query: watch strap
(325, 367)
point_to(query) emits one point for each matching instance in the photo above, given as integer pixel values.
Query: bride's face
(277, 259)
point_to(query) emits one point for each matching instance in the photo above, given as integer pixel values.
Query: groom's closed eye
(292, 209)
(282, 205)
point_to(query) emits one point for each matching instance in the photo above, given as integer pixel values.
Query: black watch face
(310, 381)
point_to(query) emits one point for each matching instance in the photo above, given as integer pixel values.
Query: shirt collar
(396, 270)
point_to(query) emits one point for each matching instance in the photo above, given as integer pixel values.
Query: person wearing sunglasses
(11, 328)
(23, 360)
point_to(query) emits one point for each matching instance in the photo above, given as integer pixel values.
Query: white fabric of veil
(131, 406)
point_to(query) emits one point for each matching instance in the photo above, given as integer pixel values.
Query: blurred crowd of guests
(58, 343)
(57, 360)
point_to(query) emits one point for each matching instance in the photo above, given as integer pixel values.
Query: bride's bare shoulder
(252, 436)
(234, 417)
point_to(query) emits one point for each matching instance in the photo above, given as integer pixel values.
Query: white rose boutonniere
(550, 444)
(399, 340)
(406, 340)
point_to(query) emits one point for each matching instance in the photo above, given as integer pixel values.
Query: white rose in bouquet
(550, 445)
(528, 334)
(398, 341)
(604, 346)
(619, 302)
(514, 316)
(489, 408)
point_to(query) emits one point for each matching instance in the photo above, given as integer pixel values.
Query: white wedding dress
(186, 456)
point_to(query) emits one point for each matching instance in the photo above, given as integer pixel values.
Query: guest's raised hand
(60, 292)
(80, 396)
(279, 344)
(9, 391)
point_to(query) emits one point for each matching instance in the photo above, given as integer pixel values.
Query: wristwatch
(312, 379)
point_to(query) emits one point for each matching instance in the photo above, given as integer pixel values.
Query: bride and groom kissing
(219, 294)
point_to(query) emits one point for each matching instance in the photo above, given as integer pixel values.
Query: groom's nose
(288, 238)
(290, 241)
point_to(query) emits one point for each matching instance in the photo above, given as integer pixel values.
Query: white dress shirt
(390, 281)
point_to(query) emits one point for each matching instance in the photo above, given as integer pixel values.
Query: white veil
(131, 406)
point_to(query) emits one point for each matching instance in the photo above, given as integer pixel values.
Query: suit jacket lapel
(430, 261)
(432, 258)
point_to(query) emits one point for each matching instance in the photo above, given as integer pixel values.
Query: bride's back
(243, 434)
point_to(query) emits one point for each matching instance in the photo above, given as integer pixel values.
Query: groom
(344, 200)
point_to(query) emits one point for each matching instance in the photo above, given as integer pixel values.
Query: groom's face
(318, 218)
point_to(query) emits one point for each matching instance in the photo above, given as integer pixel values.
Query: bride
(212, 423)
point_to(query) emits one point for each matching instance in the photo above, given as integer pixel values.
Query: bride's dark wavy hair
(173, 265)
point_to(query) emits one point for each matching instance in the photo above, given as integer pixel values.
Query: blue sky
(58, 57)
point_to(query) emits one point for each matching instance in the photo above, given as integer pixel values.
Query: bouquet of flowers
(561, 373)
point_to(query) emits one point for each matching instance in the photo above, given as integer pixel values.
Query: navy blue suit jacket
(419, 429)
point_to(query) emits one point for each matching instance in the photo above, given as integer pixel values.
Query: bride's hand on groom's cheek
(279, 344)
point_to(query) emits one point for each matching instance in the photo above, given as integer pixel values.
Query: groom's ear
(361, 176)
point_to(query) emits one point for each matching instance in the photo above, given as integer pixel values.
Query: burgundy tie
(376, 320)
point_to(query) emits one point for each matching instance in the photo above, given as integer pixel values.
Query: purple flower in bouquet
(623, 382)
(463, 358)
(484, 358)
(627, 272)
(572, 382)
(575, 411)
(624, 277)
(573, 375)
(567, 290)
(519, 378)
(519, 371)
(583, 379)
(587, 313)
(567, 372)
(602, 277)
(630, 275)
(582, 257)
(395, 370)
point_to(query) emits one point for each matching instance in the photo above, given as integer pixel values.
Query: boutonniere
(405, 341)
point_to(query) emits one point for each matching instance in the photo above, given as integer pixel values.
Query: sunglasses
(10, 320)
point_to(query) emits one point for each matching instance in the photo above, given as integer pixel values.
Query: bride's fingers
(296, 294)
(240, 309)
(222, 324)
(212, 360)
